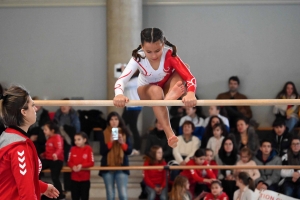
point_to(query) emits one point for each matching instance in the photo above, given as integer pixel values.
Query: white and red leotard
(148, 75)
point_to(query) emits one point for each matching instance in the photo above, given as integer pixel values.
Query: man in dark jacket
(280, 137)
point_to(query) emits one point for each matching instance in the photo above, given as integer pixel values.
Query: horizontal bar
(208, 102)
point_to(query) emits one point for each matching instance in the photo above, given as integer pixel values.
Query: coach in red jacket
(19, 162)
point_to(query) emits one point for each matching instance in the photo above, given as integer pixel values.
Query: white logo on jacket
(22, 164)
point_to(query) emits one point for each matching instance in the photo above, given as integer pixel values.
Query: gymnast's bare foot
(172, 141)
(176, 91)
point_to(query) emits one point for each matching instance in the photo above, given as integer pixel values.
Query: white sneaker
(135, 152)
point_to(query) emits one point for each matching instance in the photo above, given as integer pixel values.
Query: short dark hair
(52, 126)
(278, 122)
(187, 122)
(83, 135)
(199, 153)
(234, 78)
(265, 140)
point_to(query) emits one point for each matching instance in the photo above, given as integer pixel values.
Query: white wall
(61, 51)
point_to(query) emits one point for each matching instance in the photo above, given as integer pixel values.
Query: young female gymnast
(163, 76)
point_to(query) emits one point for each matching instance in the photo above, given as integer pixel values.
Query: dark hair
(208, 149)
(294, 137)
(1, 89)
(121, 122)
(246, 120)
(187, 122)
(234, 78)
(12, 102)
(216, 182)
(221, 126)
(246, 180)
(232, 158)
(152, 155)
(283, 91)
(265, 140)
(52, 126)
(209, 130)
(278, 122)
(83, 135)
(248, 151)
(199, 153)
(152, 35)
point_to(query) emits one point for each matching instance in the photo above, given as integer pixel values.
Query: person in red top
(19, 162)
(216, 192)
(163, 76)
(80, 156)
(155, 180)
(210, 160)
(53, 157)
(199, 179)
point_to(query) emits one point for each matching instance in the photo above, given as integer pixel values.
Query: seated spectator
(210, 160)
(155, 180)
(216, 192)
(187, 144)
(290, 177)
(280, 137)
(196, 119)
(234, 112)
(2, 127)
(269, 178)
(215, 111)
(199, 179)
(246, 187)
(288, 112)
(176, 112)
(246, 160)
(215, 142)
(115, 153)
(246, 136)
(35, 131)
(228, 155)
(180, 189)
(208, 133)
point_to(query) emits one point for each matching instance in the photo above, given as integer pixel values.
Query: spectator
(228, 156)
(291, 179)
(210, 159)
(35, 131)
(246, 136)
(234, 112)
(246, 160)
(246, 187)
(200, 180)
(216, 192)
(196, 119)
(215, 142)
(155, 180)
(209, 130)
(2, 127)
(180, 189)
(187, 144)
(269, 178)
(115, 153)
(215, 111)
(288, 112)
(131, 113)
(53, 157)
(280, 137)
(177, 112)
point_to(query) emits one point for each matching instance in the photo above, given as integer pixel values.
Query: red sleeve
(43, 186)
(196, 176)
(183, 71)
(215, 171)
(124, 147)
(109, 145)
(71, 159)
(58, 145)
(209, 172)
(224, 196)
(23, 172)
(147, 176)
(90, 159)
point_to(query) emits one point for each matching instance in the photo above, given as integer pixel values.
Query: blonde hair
(178, 188)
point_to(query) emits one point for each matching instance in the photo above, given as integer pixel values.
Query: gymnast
(163, 76)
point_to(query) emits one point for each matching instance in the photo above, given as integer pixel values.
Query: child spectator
(215, 111)
(199, 179)
(155, 180)
(216, 192)
(53, 157)
(269, 178)
(196, 119)
(180, 189)
(246, 187)
(80, 156)
(187, 144)
(210, 159)
(246, 160)
(280, 137)
(215, 142)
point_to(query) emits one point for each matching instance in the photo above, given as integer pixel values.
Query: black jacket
(283, 144)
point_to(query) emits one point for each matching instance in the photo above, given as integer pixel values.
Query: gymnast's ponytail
(174, 48)
(135, 54)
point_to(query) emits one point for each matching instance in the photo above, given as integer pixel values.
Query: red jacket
(195, 175)
(19, 167)
(83, 156)
(155, 177)
(222, 196)
(214, 163)
(54, 145)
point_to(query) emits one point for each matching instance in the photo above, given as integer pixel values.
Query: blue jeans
(152, 194)
(291, 189)
(121, 179)
(291, 123)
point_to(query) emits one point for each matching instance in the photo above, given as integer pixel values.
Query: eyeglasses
(295, 144)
